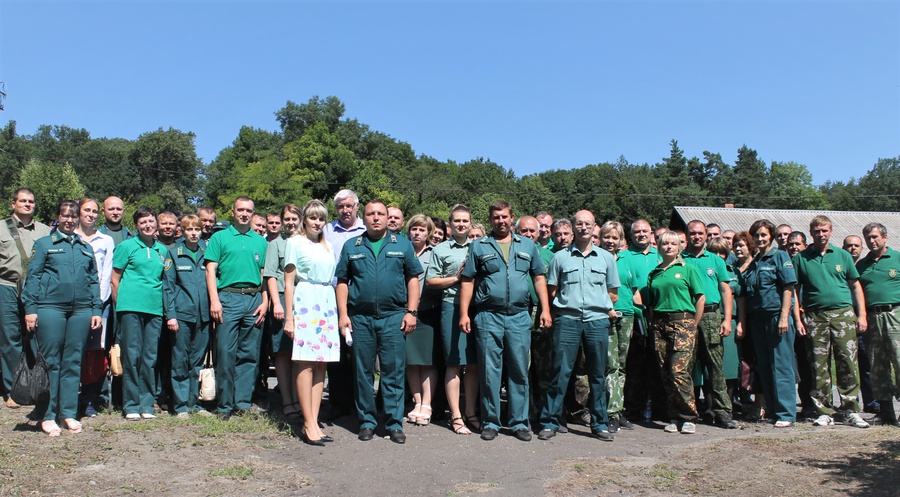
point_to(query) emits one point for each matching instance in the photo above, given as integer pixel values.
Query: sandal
(74, 426)
(50, 428)
(474, 425)
(423, 420)
(783, 424)
(459, 426)
(412, 416)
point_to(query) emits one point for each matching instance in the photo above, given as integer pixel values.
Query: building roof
(844, 223)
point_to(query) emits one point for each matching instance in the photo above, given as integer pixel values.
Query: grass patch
(236, 472)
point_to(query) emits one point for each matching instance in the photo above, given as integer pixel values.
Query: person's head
(113, 210)
(191, 228)
(273, 224)
(144, 222)
(719, 247)
(853, 244)
(502, 218)
(696, 236)
(23, 203)
(207, 217)
(166, 221)
(88, 211)
(242, 212)
(346, 203)
(312, 219)
(440, 231)
(460, 220)
(763, 233)
(375, 218)
(782, 232)
(611, 235)
(713, 230)
(796, 243)
(476, 231)
(562, 233)
(728, 235)
(258, 224)
(394, 219)
(545, 226)
(669, 244)
(640, 234)
(683, 236)
(876, 237)
(595, 235)
(67, 216)
(584, 226)
(743, 246)
(290, 218)
(820, 230)
(419, 229)
(528, 227)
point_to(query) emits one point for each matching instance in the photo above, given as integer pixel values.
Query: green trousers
(619, 342)
(503, 340)
(832, 335)
(238, 339)
(61, 336)
(10, 335)
(711, 354)
(379, 337)
(140, 347)
(189, 346)
(882, 339)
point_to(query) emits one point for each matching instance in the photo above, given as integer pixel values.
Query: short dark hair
(798, 234)
(499, 206)
(874, 226)
(66, 205)
(21, 190)
(763, 223)
(142, 212)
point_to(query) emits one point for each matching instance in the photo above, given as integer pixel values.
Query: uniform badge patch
(256, 256)
(838, 268)
(892, 273)
(678, 276)
(710, 271)
(168, 264)
(787, 264)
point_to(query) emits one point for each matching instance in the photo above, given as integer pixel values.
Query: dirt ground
(260, 455)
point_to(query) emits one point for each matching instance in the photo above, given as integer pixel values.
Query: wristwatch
(414, 312)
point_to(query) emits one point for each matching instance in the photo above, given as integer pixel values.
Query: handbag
(31, 379)
(207, 379)
(115, 360)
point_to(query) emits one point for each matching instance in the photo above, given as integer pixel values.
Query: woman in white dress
(311, 313)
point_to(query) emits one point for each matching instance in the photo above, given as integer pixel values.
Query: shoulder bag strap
(14, 231)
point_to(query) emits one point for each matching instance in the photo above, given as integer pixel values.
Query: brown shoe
(10, 403)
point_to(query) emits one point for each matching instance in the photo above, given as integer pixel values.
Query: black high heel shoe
(326, 438)
(308, 441)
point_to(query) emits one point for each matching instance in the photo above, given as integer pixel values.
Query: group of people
(566, 319)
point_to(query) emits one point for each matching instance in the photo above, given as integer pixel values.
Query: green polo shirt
(446, 259)
(880, 279)
(583, 281)
(240, 257)
(641, 265)
(711, 269)
(141, 286)
(674, 289)
(625, 304)
(275, 261)
(823, 278)
(502, 286)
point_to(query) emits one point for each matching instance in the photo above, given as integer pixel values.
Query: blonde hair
(421, 220)
(190, 220)
(318, 209)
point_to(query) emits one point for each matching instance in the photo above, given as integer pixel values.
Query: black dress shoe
(546, 434)
(624, 424)
(398, 437)
(326, 438)
(725, 421)
(613, 425)
(366, 434)
(523, 434)
(604, 435)
(488, 434)
(309, 441)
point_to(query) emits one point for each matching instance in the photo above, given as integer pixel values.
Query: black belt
(882, 308)
(674, 316)
(243, 291)
(711, 308)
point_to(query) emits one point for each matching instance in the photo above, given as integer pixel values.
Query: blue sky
(532, 86)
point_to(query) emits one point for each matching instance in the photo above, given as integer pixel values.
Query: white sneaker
(854, 419)
(132, 417)
(824, 420)
(688, 428)
(671, 427)
(147, 415)
(183, 415)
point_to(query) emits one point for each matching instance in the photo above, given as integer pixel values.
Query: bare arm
(860, 299)
(215, 305)
(412, 302)
(540, 288)
(466, 289)
(727, 305)
(786, 293)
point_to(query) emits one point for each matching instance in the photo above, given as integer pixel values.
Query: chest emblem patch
(256, 256)
(678, 276)
(838, 268)
(710, 271)
(892, 273)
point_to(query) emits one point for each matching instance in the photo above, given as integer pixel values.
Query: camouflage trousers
(882, 340)
(676, 341)
(619, 341)
(832, 335)
(711, 353)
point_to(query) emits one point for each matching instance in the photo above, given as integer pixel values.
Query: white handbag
(207, 379)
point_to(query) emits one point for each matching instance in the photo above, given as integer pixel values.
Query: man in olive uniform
(879, 275)
(113, 210)
(853, 245)
(17, 235)
(377, 301)
(235, 258)
(583, 281)
(495, 278)
(716, 322)
(827, 277)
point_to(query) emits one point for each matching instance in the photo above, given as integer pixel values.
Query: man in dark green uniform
(495, 278)
(716, 322)
(827, 277)
(879, 274)
(377, 301)
(235, 258)
(17, 235)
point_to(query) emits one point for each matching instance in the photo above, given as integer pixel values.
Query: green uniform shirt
(119, 235)
(625, 304)
(377, 283)
(502, 287)
(765, 279)
(583, 282)
(141, 287)
(12, 267)
(446, 259)
(62, 271)
(880, 279)
(186, 293)
(674, 289)
(711, 269)
(823, 278)
(641, 265)
(240, 257)
(275, 262)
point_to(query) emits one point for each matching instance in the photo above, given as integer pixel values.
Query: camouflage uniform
(619, 340)
(882, 340)
(832, 335)
(676, 341)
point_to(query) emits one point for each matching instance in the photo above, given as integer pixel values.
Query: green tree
(880, 186)
(252, 145)
(295, 119)
(751, 187)
(51, 183)
(791, 187)
(166, 156)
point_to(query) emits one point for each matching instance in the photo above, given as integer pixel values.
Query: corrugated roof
(844, 223)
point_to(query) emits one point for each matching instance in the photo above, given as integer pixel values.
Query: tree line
(318, 151)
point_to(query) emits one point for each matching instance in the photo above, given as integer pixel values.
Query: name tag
(183, 268)
(394, 253)
(486, 257)
(56, 251)
(357, 256)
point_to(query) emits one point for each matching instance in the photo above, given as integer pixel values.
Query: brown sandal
(459, 426)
